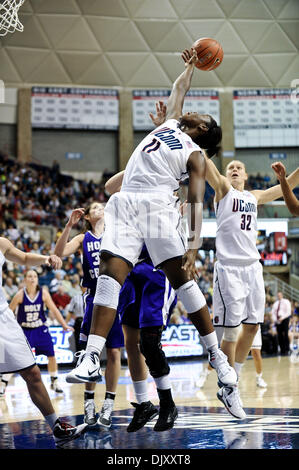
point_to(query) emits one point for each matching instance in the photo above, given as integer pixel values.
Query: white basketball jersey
(3, 301)
(160, 160)
(236, 235)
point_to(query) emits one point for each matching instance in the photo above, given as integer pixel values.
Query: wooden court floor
(272, 420)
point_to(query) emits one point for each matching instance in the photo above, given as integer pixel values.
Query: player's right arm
(63, 247)
(27, 259)
(16, 300)
(181, 86)
(114, 183)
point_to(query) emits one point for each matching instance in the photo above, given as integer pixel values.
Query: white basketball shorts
(238, 294)
(15, 352)
(132, 219)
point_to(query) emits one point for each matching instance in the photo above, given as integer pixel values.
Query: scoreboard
(74, 108)
(265, 118)
(200, 101)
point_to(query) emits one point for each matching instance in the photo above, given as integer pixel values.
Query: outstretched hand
(279, 169)
(161, 109)
(54, 261)
(76, 216)
(189, 57)
(189, 263)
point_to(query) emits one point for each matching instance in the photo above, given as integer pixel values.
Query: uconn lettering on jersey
(165, 135)
(241, 206)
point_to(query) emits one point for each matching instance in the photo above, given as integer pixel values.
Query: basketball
(209, 53)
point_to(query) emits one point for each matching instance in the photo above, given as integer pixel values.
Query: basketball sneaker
(202, 378)
(167, 417)
(231, 399)
(88, 370)
(90, 413)
(226, 374)
(105, 418)
(64, 432)
(143, 413)
(260, 382)
(55, 385)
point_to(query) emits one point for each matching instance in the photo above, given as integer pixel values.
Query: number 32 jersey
(236, 215)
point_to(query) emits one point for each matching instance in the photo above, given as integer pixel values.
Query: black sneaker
(143, 413)
(167, 416)
(64, 432)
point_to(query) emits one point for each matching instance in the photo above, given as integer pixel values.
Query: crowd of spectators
(46, 197)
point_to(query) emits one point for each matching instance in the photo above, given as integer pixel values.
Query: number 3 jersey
(236, 215)
(31, 311)
(91, 261)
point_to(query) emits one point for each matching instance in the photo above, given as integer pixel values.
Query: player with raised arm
(15, 352)
(288, 195)
(145, 211)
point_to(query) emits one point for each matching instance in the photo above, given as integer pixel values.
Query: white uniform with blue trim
(15, 352)
(238, 291)
(145, 209)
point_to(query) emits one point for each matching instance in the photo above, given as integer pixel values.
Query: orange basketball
(209, 53)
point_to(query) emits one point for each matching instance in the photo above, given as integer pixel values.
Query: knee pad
(231, 334)
(191, 296)
(151, 348)
(107, 292)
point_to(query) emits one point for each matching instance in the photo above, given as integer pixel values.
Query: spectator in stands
(75, 288)
(61, 299)
(269, 335)
(55, 283)
(74, 316)
(10, 288)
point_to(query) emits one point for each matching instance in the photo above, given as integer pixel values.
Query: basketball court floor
(272, 414)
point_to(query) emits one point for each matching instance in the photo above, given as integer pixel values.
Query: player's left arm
(52, 307)
(271, 194)
(181, 86)
(196, 167)
(288, 195)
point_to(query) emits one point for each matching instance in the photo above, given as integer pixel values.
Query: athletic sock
(140, 389)
(109, 396)
(95, 343)
(163, 383)
(88, 395)
(51, 420)
(210, 341)
(238, 367)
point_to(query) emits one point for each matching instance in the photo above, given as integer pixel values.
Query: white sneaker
(88, 370)
(55, 385)
(260, 382)
(231, 399)
(202, 378)
(105, 418)
(226, 374)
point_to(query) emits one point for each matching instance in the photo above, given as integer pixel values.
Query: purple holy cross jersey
(31, 312)
(91, 260)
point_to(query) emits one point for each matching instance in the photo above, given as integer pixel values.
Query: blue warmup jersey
(146, 298)
(91, 268)
(31, 316)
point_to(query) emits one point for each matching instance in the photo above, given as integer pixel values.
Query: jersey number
(245, 222)
(33, 316)
(152, 147)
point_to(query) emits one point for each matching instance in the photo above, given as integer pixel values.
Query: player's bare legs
(52, 369)
(229, 349)
(244, 343)
(37, 390)
(136, 360)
